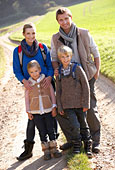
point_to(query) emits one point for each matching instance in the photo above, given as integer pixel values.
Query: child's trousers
(45, 125)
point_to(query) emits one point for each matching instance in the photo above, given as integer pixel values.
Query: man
(83, 46)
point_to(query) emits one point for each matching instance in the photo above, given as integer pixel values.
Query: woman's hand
(46, 82)
(27, 84)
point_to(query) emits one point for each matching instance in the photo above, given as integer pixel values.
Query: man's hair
(33, 63)
(63, 10)
(29, 25)
(64, 50)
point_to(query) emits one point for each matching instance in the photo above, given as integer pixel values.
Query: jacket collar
(42, 76)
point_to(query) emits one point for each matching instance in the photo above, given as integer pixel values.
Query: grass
(78, 161)
(2, 62)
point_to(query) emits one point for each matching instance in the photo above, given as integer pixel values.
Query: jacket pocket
(34, 105)
(46, 102)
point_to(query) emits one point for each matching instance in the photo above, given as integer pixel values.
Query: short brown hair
(29, 25)
(33, 63)
(63, 10)
(64, 50)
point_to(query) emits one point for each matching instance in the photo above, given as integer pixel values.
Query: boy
(40, 107)
(73, 99)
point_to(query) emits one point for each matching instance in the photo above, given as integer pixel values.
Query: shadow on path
(54, 163)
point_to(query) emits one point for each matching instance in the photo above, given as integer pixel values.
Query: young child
(40, 107)
(73, 100)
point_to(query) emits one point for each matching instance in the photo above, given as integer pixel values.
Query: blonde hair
(33, 63)
(63, 10)
(29, 25)
(64, 50)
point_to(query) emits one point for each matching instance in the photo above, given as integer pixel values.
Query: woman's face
(30, 35)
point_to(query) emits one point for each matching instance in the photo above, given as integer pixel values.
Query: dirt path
(13, 125)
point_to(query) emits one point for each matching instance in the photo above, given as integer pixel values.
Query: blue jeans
(45, 125)
(74, 126)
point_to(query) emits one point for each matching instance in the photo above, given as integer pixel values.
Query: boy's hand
(56, 72)
(61, 113)
(54, 112)
(30, 116)
(85, 109)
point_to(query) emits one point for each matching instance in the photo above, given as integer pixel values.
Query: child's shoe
(76, 146)
(53, 149)
(46, 150)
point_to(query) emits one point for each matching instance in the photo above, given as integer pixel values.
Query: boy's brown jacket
(73, 93)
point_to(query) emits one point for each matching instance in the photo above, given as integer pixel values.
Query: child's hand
(85, 109)
(56, 72)
(54, 112)
(30, 116)
(61, 113)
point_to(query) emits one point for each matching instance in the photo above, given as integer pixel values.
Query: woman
(31, 51)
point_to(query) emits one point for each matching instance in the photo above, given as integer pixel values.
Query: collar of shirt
(66, 71)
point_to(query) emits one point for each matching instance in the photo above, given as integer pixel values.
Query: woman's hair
(63, 10)
(33, 63)
(29, 25)
(64, 50)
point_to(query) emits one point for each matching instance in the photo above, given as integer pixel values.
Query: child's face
(65, 60)
(34, 72)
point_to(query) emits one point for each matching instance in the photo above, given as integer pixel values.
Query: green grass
(2, 62)
(78, 161)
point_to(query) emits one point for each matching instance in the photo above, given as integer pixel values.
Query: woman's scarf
(68, 38)
(33, 50)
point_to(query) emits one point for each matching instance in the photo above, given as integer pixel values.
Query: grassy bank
(2, 62)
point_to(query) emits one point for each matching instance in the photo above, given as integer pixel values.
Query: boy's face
(65, 60)
(34, 72)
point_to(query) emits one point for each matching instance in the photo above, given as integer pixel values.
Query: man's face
(65, 22)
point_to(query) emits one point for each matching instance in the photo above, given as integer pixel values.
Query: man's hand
(30, 116)
(27, 84)
(96, 75)
(54, 112)
(61, 113)
(46, 82)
